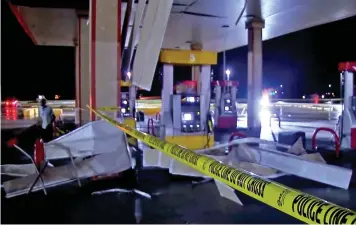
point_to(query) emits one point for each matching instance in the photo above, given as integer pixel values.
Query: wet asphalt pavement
(174, 199)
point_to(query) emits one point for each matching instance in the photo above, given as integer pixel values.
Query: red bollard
(236, 134)
(11, 142)
(337, 139)
(39, 153)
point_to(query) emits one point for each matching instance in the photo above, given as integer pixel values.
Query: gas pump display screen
(190, 115)
(190, 100)
(187, 117)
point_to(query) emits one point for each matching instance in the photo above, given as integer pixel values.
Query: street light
(228, 72)
(329, 85)
(281, 85)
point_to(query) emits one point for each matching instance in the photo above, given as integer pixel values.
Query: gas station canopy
(209, 22)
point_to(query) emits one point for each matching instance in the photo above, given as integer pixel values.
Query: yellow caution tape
(132, 141)
(109, 108)
(60, 131)
(304, 207)
(140, 106)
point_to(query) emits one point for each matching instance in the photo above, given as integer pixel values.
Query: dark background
(304, 62)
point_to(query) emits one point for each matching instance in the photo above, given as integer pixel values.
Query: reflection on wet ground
(174, 200)
(17, 113)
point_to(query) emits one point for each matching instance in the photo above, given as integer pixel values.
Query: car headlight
(265, 100)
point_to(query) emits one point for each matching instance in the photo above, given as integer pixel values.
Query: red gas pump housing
(39, 153)
(226, 120)
(349, 67)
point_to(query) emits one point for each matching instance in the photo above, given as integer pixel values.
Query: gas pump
(185, 113)
(186, 109)
(125, 109)
(347, 122)
(225, 113)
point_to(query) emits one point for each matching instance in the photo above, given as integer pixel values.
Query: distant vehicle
(12, 108)
(12, 102)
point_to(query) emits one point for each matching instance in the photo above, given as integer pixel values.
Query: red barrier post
(336, 138)
(39, 153)
(12, 142)
(232, 137)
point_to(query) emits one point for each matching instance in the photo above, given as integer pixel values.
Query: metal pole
(224, 65)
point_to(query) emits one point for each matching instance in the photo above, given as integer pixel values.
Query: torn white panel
(227, 192)
(16, 124)
(154, 158)
(137, 23)
(249, 140)
(93, 138)
(297, 148)
(316, 157)
(150, 42)
(317, 171)
(164, 160)
(177, 168)
(18, 170)
(108, 163)
(260, 170)
(150, 157)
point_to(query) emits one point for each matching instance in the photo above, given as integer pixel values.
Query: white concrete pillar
(77, 76)
(254, 77)
(132, 99)
(82, 71)
(167, 89)
(204, 94)
(166, 105)
(348, 89)
(150, 42)
(196, 70)
(347, 121)
(105, 53)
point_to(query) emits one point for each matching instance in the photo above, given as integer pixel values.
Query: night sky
(305, 62)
